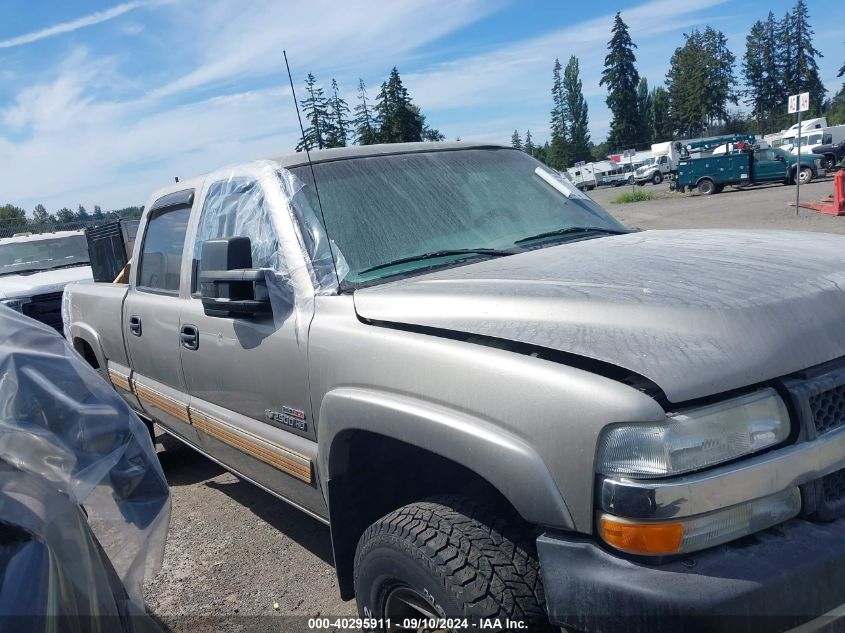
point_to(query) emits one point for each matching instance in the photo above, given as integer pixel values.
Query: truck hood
(13, 286)
(697, 312)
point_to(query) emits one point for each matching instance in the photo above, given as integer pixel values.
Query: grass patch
(638, 195)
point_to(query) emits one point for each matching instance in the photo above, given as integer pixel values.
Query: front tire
(657, 178)
(449, 557)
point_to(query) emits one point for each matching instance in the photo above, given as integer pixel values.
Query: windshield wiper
(492, 252)
(569, 230)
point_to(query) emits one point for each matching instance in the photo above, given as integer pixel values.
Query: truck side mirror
(229, 286)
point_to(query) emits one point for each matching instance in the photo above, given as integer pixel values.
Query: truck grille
(46, 308)
(828, 409)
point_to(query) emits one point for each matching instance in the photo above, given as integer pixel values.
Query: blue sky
(102, 102)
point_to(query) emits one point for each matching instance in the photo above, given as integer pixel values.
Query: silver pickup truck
(510, 409)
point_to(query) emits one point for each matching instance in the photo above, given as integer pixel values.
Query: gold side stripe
(119, 380)
(163, 402)
(288, 461)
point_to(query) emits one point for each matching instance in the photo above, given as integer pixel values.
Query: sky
(102, 102)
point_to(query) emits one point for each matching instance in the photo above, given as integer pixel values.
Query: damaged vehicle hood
(698, 312)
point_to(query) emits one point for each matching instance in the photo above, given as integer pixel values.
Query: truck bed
(94, 312)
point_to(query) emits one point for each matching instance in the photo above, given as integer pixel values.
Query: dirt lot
(764, 207)
(234, 550)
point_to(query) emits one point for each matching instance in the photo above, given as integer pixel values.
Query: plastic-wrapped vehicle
(84, 505)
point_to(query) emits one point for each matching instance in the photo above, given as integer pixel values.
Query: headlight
(652, 538)
(16, 303)
(696, 438)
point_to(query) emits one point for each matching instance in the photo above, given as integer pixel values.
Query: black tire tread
(472, 550)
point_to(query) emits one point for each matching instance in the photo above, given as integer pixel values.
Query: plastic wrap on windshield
(62, 424)
(261, 201)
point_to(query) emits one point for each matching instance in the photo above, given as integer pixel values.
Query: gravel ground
(234, 551)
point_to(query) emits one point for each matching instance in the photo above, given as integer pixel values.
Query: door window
(161, 254)
(237, 208)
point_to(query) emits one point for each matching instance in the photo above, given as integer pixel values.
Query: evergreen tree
(754, 74)
(10, 214)
(720, 75)
(621, 78)
(559, 150)
(64, 215)
(428, 133)
(339, 124)
(81, 214)
(660, 120)
(516, 142)
(806, 67)
(365, 127)
(644, 108)
(578, 131)
(98, 213)
(688, 84)
(398, 123)
(39, 214)
(315, 110)
(528, 147)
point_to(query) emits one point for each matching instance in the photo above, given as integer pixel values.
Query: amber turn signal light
(649, 539)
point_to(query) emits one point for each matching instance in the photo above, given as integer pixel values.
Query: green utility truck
(743, 167)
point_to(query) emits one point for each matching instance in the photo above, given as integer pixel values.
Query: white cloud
(233, 39)
(66, 27)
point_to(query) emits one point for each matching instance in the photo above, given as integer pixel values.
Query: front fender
(504, 460)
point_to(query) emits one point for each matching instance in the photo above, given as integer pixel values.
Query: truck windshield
(383, 209)
(36, 255)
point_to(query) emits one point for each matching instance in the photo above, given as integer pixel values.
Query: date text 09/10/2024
(490, 624)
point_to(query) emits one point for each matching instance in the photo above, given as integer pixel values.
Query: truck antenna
(311, 167)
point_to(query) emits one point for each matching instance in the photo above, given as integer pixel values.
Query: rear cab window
(162, 249)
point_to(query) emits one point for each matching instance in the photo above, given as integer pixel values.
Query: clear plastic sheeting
(265, 203)
(71, 448)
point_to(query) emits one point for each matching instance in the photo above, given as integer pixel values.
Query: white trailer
(811, 138)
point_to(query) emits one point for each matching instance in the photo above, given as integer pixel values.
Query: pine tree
(516, 142)
(645, 110)
(98, 212)
(39, 214)
(528, 147)
(785, 35)
(578, 131)
(315, 110)
(688, 84)
(365, 127)
(398, 121)
(806, 67)
(621, 78)
(661, 130)
(720, 75)
(64, 215)
(81, 214)
(559, 150)
(339, 124)
(754, 74)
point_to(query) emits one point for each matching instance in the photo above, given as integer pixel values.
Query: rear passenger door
(152, 313)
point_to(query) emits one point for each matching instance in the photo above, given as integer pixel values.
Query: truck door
(768, 166)
(152, 313)
(248, 377)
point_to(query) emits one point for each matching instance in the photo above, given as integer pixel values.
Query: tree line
(701, 86)
(392, 117)
(14, 216)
